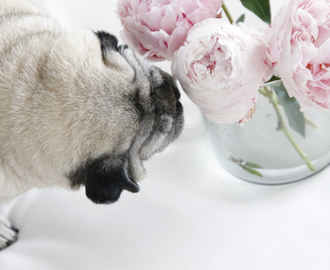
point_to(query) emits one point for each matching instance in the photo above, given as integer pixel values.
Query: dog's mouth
(105, 178)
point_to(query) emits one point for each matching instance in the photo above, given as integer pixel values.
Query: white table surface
(190, 213)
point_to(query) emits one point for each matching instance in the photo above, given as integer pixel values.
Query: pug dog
(76, 110)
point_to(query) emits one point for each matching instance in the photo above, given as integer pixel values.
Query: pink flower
(157, 28)
(298, 47)
(221, 67)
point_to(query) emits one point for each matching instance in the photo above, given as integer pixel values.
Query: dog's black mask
(104, 178)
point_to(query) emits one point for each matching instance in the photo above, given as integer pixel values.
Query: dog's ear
(105, 178)
(107, 40)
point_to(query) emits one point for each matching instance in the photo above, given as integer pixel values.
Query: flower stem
(282, 126)
(225, 9)
(310, 122)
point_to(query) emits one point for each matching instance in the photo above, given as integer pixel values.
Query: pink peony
(298, 47)
(157, 28)
(221, 67)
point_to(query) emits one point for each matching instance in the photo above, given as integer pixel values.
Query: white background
(190, 214)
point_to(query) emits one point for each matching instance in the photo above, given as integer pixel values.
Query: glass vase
(261, 152)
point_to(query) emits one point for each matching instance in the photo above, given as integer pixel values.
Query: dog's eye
(152, 91)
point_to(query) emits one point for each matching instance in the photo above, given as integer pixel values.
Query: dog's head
(118, 111)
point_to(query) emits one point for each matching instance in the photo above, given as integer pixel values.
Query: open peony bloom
(298, 47)
(221, 67)
(158, 28)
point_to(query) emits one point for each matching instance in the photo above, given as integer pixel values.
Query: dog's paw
(8, 233)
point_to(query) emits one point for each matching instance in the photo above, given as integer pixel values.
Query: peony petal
(178, 37)
(151, 18)
(187, 7)
(199, 15)
(209, 5)
(324, 35)
(319, 10)
(169, 21)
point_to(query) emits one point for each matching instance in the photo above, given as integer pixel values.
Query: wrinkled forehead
(145, 73)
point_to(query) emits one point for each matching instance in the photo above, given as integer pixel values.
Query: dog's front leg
(8, 233)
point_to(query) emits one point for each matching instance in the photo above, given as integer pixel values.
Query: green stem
(282, 126)
(310, 122)
(225, 9)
